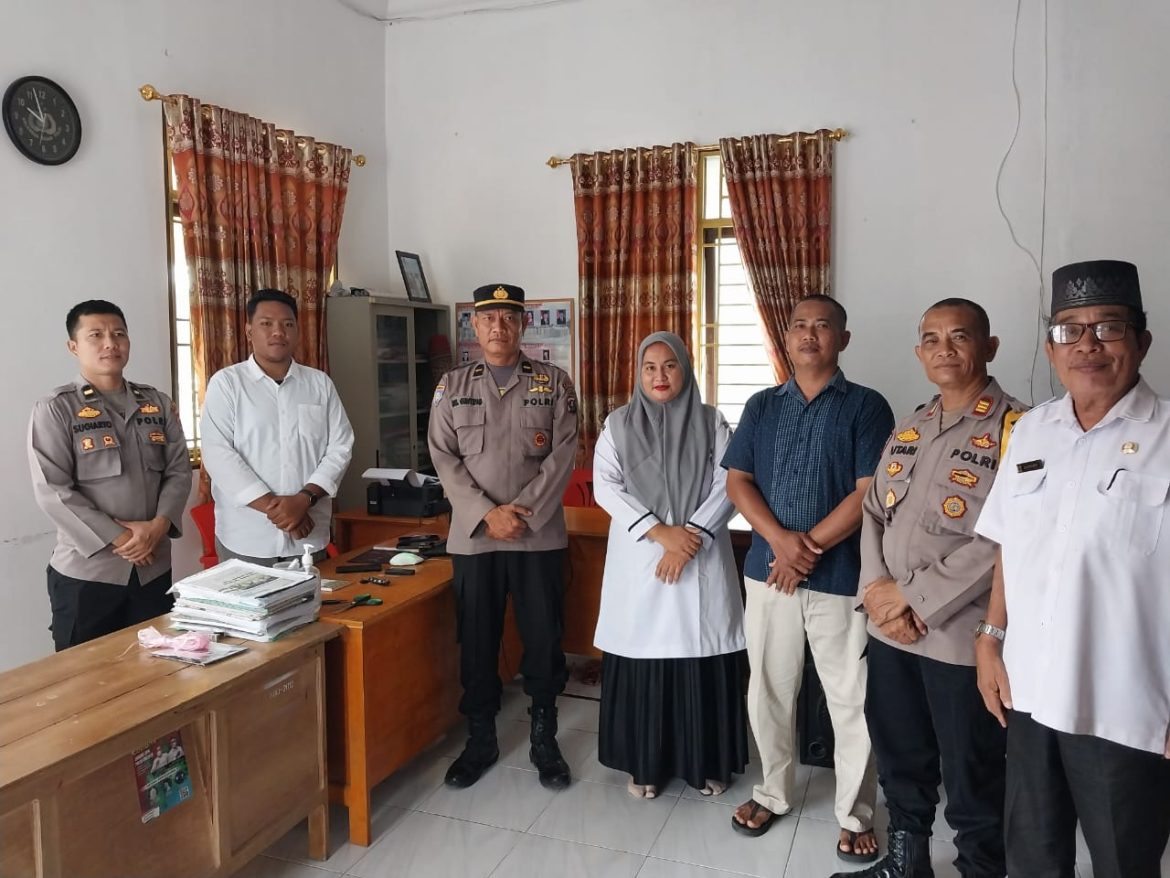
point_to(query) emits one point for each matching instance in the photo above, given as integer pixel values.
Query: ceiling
(406, 10)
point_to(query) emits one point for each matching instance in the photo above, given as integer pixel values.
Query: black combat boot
(544, 753)
(479, 754)
(907, 856)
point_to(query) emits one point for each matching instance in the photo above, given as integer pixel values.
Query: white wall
(476, 104)
(94, 228)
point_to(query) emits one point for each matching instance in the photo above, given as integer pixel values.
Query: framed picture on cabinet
(412, 275)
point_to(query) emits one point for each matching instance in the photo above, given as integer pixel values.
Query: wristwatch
(313, 498)
(985, 627)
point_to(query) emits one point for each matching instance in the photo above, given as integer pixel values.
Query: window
(733, 363)
(183, 389)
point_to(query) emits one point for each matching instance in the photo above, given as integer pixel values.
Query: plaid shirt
(805, 458)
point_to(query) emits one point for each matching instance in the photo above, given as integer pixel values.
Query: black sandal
(852, 856)
(758, 830)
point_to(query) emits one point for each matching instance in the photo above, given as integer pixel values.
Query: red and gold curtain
(781, 189)
(260, 208)
(635, 212)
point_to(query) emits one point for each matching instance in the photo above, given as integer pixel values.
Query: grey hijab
(666, 450)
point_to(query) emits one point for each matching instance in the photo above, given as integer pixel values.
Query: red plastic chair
(204, 517)
(579, 491)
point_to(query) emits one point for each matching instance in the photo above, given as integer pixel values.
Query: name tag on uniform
(1029, 465)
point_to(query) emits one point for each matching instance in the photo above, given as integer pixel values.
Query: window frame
(706, 332)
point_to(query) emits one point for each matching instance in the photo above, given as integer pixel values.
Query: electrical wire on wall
(1037, 262)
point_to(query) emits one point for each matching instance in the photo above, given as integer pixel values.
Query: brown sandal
(851, 856)
(756, 830)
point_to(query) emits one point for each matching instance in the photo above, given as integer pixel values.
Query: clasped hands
(138, 541)
(506, 522)
(889, 610)
(289, 512)
(679, 545)
(796, 555)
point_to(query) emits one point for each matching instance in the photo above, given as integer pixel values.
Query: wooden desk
(394, 672)
(356, 527)
(393, 676)
(253, 729)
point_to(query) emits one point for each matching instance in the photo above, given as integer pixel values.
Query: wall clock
(42, 120)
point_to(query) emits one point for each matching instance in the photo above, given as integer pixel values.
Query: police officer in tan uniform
(503, 435)
(925, 581)
(109, 467)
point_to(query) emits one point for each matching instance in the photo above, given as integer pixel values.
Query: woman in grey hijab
(671, 619)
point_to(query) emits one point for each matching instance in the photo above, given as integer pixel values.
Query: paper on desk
(383, 474)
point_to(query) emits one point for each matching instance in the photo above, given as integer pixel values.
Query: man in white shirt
(276, 442)
(1080, 604)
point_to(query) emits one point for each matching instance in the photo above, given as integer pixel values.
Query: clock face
(42, 120)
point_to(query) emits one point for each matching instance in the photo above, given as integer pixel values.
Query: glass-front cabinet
(385, 359)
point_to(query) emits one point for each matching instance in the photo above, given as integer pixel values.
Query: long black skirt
(666, 718)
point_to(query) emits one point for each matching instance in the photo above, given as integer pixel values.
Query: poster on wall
(549, 334)
(162, 776)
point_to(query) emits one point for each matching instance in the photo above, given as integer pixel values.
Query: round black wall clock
(42, 120)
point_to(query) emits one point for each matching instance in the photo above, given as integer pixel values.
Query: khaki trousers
(776, 626)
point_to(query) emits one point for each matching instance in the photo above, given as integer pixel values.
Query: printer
(405, 493)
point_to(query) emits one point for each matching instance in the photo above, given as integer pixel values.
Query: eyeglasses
(1070, 333)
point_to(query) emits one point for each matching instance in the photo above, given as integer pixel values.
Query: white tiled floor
(508, 826)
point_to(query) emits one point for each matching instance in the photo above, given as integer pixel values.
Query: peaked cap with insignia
(498, 296)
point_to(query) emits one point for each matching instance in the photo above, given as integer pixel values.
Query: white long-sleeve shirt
(259, 437)
(643, 617)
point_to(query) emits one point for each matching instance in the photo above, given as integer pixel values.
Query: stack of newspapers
(246, 600)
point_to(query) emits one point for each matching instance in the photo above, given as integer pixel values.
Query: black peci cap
(1097, 282)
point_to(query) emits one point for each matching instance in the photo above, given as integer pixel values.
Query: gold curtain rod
(836, 134)
(150, 93)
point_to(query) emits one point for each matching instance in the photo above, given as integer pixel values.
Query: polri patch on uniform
(438, 397)
(894, 468)
(149, 409)
(983, 406)
(540, 440)
(984, 441)
(87, 443)
(109, 442)
(571, 404)
(964, 477)
(89, 412)
(911, 435)
(891, 498)
(158, 437)
(954, 506)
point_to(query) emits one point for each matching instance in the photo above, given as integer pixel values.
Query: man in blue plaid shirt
(798, 467)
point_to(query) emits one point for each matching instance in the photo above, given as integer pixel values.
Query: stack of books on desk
(246, 600)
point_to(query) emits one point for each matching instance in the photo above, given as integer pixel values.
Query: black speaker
(814, 728)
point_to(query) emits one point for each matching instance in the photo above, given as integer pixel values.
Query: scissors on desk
(362, 600)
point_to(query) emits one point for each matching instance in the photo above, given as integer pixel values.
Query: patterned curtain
(781, 189)
(635, 213)
(260, 207)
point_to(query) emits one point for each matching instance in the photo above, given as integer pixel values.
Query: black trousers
(923, 714)
(87, 610)
(1120, 795)
(536, 582)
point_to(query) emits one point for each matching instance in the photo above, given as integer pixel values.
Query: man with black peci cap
(503, 435)
(1074, 658)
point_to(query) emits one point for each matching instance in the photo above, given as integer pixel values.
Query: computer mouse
(406, 559)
